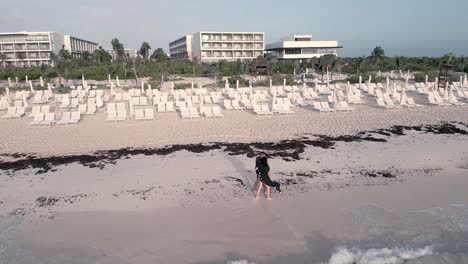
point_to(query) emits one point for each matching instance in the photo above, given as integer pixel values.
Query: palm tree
(144, 50)
(118, 48)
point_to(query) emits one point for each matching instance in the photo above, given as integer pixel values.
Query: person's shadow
(247, 176)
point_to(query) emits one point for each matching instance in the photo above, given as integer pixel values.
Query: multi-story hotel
(207, 46)
(26, 49)
(181, 49)
(301, 47)
(129, 53)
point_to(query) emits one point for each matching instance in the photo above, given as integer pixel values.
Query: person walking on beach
(265, 176)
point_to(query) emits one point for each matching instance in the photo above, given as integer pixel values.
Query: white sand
(181, 208)
(94, 133)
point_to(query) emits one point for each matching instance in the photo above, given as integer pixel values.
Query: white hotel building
(209, 46)
(181, 49)
(26, 49)
(301, 47)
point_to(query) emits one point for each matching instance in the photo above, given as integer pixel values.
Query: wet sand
(405, 191)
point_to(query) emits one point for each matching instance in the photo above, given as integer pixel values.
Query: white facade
(26, 49)
(181, 49)
(299, 47)
(129, 53)
(230, 46)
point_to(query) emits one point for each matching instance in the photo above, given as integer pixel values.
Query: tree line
(99, 64)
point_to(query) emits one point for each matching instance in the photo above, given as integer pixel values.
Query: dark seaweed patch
(288, 150)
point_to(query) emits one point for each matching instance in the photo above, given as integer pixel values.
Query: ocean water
(431, 236)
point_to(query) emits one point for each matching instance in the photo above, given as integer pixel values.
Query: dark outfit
(263, 170)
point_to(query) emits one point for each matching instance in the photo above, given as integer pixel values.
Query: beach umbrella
(284, 83)
(294, 72)
(465, 82)
(426, 80)
(49, 88)
(388, 84)
(82, 78)
(9, 82)
(237, 84)
(109, 78)
(307, 71)
(461, 80)
(271, 83)
(117, 81)
(16, 81)
(226, 84)
(349, 92)
(201, 103)
(149, 90)
(7, 91)
(25, 101)
(31, 86)
(112, 88)
(400, 73)
(41, 81)
(360, 81)
(451, 91)
(142, 87)
(446, 91)
(370, 79)
(191, 85)
(26, 79)
(251, 89)
(391, 74)
(379, 73)
(294, 93)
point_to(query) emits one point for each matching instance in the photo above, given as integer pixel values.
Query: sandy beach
(386, 193)
(95, 134)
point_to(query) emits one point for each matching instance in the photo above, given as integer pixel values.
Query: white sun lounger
(35, 110)
(91, 109)
(208, 112)
(38, 118)
(326, 107)
(49, 119)
(266, 110)
(217, 111)
(64, 119)
(75, 117)
(184, 112)
(139, 114)
(149, 113)
(20, 111)
(82, 108)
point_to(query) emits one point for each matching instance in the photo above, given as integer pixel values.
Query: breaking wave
(380, 256)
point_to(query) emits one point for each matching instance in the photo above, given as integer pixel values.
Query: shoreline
(288, 150)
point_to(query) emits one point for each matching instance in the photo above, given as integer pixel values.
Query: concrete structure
(129, 53)
(181, 49)
(301, 47)
(230, 46)
(26, 49)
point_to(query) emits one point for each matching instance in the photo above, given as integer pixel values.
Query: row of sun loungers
(49, 119)
(14, 112)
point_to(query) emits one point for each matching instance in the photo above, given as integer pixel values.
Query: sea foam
(378, 256)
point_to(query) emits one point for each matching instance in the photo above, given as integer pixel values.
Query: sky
(401, 27)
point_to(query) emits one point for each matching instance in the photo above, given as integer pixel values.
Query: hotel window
(258, 37)
(309, 51)
(293, 51)
(45, 46)
(206, 37)
(20, 46)
(33, 47)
